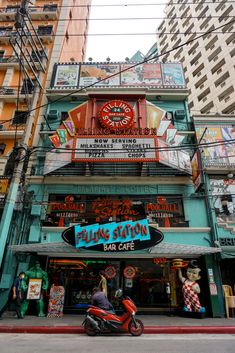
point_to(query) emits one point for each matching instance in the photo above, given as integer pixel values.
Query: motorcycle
(100, 321)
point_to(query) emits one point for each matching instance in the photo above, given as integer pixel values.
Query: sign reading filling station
(116, 115)
(113, 237)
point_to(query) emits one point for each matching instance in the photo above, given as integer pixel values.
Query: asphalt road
(50, 343)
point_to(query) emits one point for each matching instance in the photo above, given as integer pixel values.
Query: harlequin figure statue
(35, 272)
(191, 289)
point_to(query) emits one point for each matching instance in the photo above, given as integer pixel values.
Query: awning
(62, 249)
(227, 252)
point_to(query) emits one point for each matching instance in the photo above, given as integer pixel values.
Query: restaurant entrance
(143, 280)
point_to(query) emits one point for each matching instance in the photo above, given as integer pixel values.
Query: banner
(66, 76)
(93, 73)
(119, 75)
(197, 175)
(217, 146)
(173, 74)
(141, 75)
(58, 158)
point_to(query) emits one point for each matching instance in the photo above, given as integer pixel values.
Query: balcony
(8, 61)
(47, 12)
(9, 131)
(10, 94)
(5, 34)
(8, 13)
(45, 33)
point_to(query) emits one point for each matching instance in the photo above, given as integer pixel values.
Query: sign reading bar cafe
(113, 237)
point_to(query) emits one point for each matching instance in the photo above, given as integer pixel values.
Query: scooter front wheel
(136, 327)
(89, 329)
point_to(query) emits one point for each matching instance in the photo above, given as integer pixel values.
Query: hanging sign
(113, 237)
(116, 115)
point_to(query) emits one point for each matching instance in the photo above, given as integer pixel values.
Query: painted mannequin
(35, 272)
(191, 289)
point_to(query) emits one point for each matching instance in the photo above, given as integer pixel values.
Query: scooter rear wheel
(136, 327)
(90, 331)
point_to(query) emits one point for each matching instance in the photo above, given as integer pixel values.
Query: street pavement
(158, 324)
(37, 343)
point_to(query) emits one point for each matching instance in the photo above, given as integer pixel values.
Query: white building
(209, 59)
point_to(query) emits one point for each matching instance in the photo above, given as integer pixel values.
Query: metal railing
(12, 91)
(8, 59)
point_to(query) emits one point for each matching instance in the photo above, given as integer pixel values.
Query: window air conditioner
(180, 114)
(53, 115)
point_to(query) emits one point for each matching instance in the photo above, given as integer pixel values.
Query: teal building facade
(117, 145)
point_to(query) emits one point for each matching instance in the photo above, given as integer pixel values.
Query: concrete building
(208, 59)
(110, 158)
(33, 36)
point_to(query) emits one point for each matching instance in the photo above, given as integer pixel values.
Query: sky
(118, 47)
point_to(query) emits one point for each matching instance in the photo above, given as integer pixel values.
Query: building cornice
(84, 180)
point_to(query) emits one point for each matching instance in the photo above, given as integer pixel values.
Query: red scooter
(100, 321)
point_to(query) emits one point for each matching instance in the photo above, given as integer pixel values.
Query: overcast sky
(118, 47)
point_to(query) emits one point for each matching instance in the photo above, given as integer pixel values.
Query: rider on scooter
(100, 300)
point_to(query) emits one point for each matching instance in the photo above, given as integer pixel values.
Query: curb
(147, 329)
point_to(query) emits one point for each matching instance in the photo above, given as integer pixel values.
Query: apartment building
(33, 36)
(52, 26)
(208, 59)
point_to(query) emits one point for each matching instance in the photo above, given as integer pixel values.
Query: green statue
(35, 272)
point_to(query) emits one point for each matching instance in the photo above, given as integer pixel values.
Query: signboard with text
(113, 237)
(113, 148)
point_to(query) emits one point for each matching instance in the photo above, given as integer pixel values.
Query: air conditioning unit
(180, 114)
(53, 114)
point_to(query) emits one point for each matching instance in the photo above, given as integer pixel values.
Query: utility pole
(24, 41)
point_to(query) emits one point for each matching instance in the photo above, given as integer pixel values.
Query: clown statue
(35, 272)
(190, 288)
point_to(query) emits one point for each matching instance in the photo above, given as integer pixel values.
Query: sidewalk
(154, 324)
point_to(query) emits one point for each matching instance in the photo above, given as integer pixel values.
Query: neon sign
(113, 237)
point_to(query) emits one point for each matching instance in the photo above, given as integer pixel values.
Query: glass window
(163, 210)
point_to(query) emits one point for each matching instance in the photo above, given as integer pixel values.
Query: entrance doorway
(141, 279)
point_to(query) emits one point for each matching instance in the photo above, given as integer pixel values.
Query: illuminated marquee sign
(116, 115)
(113, 148)
(113, 237)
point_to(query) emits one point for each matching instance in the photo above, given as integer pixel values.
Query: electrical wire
(148, 4)
(133, 34)
(130, 67)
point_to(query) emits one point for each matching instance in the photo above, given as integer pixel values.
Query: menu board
(34, 288)
(56, 301)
